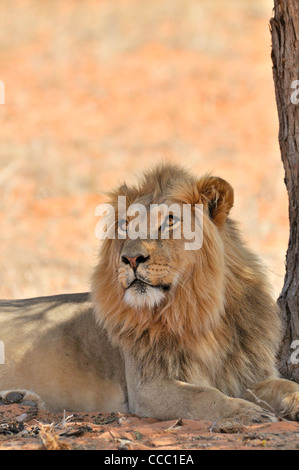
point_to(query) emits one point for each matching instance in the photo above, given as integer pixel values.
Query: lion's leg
(165, 399)
(172, 399)
(21, 397)
(280, 394)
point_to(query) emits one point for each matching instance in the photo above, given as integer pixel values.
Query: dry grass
(50, 438)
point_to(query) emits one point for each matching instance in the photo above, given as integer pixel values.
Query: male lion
(167, 332)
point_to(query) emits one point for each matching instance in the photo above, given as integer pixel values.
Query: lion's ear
(218, 196)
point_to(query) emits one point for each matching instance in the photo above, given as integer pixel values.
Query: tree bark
(284, 28)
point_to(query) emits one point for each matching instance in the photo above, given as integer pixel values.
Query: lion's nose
(134, 261)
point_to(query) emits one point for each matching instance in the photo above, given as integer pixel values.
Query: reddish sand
(23, 428)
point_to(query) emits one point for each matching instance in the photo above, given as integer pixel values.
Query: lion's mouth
(140, 285)
(141, 294)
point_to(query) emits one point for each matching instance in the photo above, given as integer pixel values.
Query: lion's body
(54, 347)
(166, 332)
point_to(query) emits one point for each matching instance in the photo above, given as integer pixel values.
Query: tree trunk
(285, 58)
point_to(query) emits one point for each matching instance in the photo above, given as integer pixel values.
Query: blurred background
(96, 91)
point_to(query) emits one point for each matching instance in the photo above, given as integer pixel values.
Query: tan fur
(190, 338)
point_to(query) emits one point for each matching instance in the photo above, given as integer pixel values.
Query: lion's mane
(220, 322)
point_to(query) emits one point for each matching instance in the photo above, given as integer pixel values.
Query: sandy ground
(24, 428)
(97, 91)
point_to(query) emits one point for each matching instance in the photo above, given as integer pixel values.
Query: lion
(166, 331)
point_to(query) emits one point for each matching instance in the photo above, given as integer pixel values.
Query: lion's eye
(170, 221)
(122, 225)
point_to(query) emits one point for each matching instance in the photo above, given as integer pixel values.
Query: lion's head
(158, 261)
(156, 279)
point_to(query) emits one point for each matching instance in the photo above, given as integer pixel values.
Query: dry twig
(50, 439)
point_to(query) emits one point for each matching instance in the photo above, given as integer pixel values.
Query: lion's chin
(142, 295)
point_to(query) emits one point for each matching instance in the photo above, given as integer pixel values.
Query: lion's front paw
(249, 414)
(290, 407)
(22, 397)
(244, 413)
